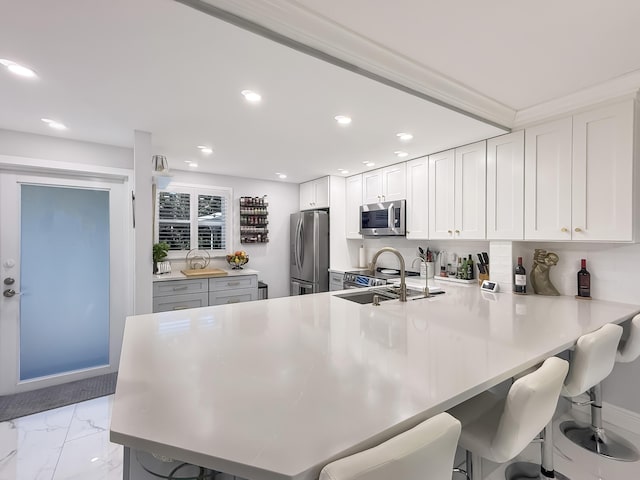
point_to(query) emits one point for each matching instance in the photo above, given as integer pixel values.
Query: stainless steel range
(366, 278)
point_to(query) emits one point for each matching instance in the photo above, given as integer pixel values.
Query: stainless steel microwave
(384, 218)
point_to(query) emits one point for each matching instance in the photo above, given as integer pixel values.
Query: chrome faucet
(403, 284)
(426, 275)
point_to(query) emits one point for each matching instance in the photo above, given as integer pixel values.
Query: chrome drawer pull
(235, 300)
(232, 284)
(180, 288)
(181, 307)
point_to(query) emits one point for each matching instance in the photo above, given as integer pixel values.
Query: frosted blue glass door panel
(64, 261)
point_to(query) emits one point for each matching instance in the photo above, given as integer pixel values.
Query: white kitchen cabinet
(417, 199)
(602, 174)
(547, 186)
(314, 194)
(335, 280)
(505, 187)
(579, 176)
(457, 193)
(385, 184)
(353, 201)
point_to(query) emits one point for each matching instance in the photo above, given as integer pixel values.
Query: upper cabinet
(384, 184)
(579, 174)
(505, 187)
(353, 201)
(457, 193)
(314, 194)
(417, 199)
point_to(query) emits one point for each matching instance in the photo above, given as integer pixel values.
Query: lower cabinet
(335, 280)
(172, 295)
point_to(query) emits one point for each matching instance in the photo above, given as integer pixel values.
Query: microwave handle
(391, 219)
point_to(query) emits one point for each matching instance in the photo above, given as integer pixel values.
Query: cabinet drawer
(179, 302)
(179, 287)
(233, 296)
(233, 283)
(335, 281)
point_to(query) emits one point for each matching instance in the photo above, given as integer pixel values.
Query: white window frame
(194, 191)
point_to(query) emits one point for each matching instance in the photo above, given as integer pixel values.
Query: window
(191, 217)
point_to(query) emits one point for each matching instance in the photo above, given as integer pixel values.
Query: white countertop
(275, 389)
(178, 275)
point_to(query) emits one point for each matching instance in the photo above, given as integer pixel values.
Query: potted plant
(159, 253)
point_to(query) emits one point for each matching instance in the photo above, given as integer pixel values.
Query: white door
(547, 181)
(353, 201)
(602, 189)
(372, 187)
(470, 191)
(64, 266)
(505, 187)
(441, 185)
(418, 199)
(394, 182)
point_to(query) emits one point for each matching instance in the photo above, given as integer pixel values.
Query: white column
(143, 280)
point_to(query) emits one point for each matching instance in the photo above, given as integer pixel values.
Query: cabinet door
(602, 188)
(470, 191)
(307, 195)
(418, 199)
(394, 182)
(179, 302)
(321, 192)
(226, 297)
(353, 202)
(505, 187)
(441, 184)
(335, 281)
(372, 187)
(547, 185)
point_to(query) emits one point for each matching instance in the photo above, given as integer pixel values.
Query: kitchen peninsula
(276, 389)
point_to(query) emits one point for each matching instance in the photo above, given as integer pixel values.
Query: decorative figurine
(542, 263)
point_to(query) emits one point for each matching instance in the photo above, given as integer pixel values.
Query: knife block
(483, 276)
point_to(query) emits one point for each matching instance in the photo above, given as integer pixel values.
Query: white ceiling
(108, 68)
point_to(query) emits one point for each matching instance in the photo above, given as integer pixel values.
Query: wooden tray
(204, 272)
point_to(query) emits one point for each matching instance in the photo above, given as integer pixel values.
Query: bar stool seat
(425, 451)
(592, 361)
(498, 428)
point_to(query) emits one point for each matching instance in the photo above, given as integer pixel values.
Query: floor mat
(27, 403)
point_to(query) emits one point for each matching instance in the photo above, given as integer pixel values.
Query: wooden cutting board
(204, 272)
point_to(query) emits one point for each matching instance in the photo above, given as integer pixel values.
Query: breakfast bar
(276, 389)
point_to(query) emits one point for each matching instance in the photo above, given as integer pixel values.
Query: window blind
(212, 222)
(174, 220)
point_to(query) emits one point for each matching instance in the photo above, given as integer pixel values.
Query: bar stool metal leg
(594, 438)
(528, 470)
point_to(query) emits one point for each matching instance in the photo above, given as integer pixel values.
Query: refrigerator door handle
(298, 243)
(301, 240)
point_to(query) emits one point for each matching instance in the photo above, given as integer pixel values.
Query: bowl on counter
(237, 259)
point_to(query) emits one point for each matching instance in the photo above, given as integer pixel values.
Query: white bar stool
(592, 361)
(425, 451)
(499, 428)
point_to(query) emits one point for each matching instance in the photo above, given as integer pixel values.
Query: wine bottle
(520, 278)
(459, 269)
(470, 268)
(584, 280)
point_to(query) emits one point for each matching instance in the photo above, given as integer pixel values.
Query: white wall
(270, 259)
(60, 149)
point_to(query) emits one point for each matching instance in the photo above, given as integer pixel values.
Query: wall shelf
(254, 220)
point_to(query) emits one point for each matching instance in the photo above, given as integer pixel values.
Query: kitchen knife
(481, 268)
(485, 256)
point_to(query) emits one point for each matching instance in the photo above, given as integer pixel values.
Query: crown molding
(291, 24)
(623, 87)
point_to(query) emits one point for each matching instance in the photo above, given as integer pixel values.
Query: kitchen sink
(385, 293)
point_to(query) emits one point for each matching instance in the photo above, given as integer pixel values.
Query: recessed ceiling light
(251, 96)
(18, 69)
(281, 175)
(193, 164)
(405, 137)
(205, 149)
(187, 161)
(54, 124)
(368, 163)
(342, 119)
(401, 154)
(344, 171)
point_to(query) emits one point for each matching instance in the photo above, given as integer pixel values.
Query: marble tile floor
(66, 443)
(72, 443)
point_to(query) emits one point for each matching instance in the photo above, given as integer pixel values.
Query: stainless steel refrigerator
(309, 252)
